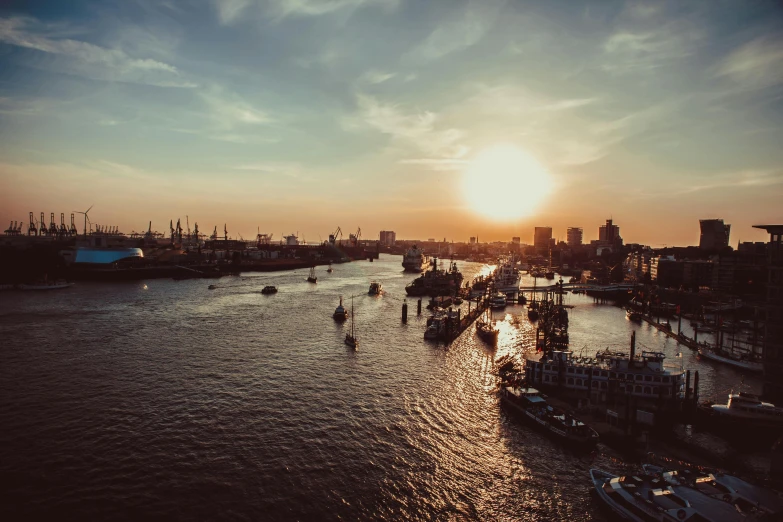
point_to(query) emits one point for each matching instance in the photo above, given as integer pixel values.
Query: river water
(166, 400)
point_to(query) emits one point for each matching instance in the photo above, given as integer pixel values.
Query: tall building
(714, 234)
(542, 238)
(472, 240)
(574, 236)
(388, 237)
(609, 233)
(773, 334)
(516, 240)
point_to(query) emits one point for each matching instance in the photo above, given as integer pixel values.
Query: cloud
(417, 130)
(438, 164)
(229, 110)
(229, 11)
(629, 50)
(375, 77)
(755, 65)
(87, 59)
(285, 168)
(461, 30)
(562, 105)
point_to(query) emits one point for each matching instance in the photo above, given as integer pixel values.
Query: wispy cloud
(375, 77)
(230, 11)
(284, 168)
(460, 30)
(438, 164)
(562, 105)
(642, 50)
(755, 65)
(87, 59)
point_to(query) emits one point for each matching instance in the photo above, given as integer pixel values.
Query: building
(773, 335)
(542, 239)
(574, 236)
(714, 234)
(666, 271)
(697, 273)
(515, 240)
(472, 240)
(388, 237)
(610, 234)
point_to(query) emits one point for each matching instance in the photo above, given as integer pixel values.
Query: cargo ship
(436, 282)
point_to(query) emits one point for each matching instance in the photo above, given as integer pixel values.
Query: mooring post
(405, 311)
(418, 307)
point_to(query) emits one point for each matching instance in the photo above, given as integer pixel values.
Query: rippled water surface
(166, 400)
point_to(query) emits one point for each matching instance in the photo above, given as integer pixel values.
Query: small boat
(549, 275)
(376, 288)
(486, 330)
(666, 326)
(497, 301)
(350, 338)
(311, 278)
(269, 290)
(521, 299)
(340, 313)
(532, 314)
(330, 269)
(211, 287)
(633, 316)
(44, 286)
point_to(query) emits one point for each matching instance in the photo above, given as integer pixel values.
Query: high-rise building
(472, 240)
(388, 237)
(516, 240)
(773, 335)
(574, 236)
(610, 233)
(542, 238)
(714, 234)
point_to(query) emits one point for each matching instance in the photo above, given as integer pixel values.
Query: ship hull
(750, 366)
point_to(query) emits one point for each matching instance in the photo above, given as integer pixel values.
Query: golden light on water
(504, 182)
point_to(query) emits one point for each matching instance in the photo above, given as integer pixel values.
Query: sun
(505, 183)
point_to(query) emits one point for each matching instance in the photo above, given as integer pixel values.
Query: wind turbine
(86, 219)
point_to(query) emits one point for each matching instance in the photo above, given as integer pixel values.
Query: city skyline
(436, 120)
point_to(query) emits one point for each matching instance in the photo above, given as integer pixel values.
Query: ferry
(414, 260)
(560, 424)
(376, 288)
(645, 376)
(506, 276)
(748, 410)
(642, 497)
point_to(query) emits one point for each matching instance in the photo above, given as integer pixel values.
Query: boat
(497, 301)
(211, 287)
(330, 269)
(549, 274)
(440, 324)
(559, 424)
(745, 497)
(436, 282)
(269, 290)
(748, 410)
(644, 497)
(44, 286)
(414, 260)
(376, 288)
(532, 313)
(633, 315)
(340, 313)
(350, 338)
(311, 278)
(744, 361)
(506, 276)
(486, 329)
(522, 299)
(644, 376)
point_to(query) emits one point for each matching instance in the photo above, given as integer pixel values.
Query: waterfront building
(388, 237)
(610, 234)
(714, 234)
(542, 239)
(773, 335)
(574, 236)
(697, 273)
(667, 271)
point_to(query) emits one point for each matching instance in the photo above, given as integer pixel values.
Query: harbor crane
(334, 236)
(32, 230)
(354, 238)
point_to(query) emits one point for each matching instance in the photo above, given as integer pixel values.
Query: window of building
(595, 384)
(570, 380)
(546, 378)
(604, 373)
(603, 386)
(638, 389)
(666, 379)
(647, 390)
(657, 379)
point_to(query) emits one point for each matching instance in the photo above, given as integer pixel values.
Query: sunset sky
(302, 115)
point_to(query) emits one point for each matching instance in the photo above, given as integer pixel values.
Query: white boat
(414, 260)
(44, 286)
(497, 301)
(746, 409)
(506, 276)
(728, 357)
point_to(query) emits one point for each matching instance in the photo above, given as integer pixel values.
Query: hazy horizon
(440, 119)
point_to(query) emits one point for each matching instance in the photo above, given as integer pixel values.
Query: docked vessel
(557, 423)
(340, 313)
(312, 278)
(633, 315)
(745, 361)
(748, 410)
(436, 282)
(44, 286)
(269, 290)
(498, 301)
(506, 276)
(645, 376)
(414, 260)
(644, 497)
(376, 288)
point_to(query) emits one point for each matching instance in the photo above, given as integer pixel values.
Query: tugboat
(436, 282)
(340, 313)
(311, 278)
(350, 338)
(487, 330)
(269, 290)
(559, 424)
(376, 288)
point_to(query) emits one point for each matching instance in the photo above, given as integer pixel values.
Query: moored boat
(633, 315)
(436, 282)
(44, 286)
(497, 301)
(746, 410)
(743, 361)
(487, 330)
(414, 260)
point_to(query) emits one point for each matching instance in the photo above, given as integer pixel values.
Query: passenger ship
(507, 276)
(746, 410)
(414, 260)
(644, 376)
